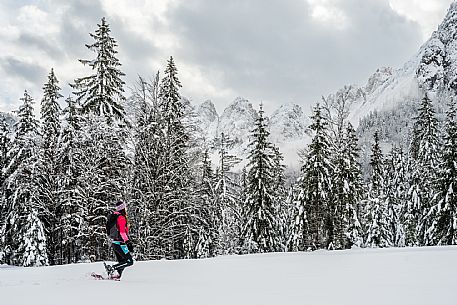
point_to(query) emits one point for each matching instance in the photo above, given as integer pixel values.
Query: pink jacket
(122, 227)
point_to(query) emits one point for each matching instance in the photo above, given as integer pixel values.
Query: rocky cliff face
(237, 121)
(208, 119)
(288, 125)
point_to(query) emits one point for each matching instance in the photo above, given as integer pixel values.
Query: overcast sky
(264, 50)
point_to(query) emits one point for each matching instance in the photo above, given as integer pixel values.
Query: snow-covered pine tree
(47, 174)
(349, 180)
(208, 238)
(175, 177)
(261, 228)
(170, 101)
(376, 231)
(179, 221)
(243, 196)
(311, 225)
(148, 169)
(103, 159)
(50, 112)
(21, 195)
(102, 92)
(283, 202)
(4, 148)
(33, 243)
(71, 229)
(424, 158)
(444, 228)
(228, 205)
(396, 197)
(345, 228)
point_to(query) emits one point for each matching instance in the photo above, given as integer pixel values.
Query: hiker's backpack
(111, 228)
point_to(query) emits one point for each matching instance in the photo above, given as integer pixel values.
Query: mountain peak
(447, 29)
(240, 107)
(208, 119)
(288, 123)
(240, 103)
(208, 110)
(240, 99)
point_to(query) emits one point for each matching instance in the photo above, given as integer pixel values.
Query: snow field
(400, 276)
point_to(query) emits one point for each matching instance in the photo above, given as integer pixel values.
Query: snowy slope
(385, 90)
(427, 72)
(403, 276)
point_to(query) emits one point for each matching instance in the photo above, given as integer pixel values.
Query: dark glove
(129, 245)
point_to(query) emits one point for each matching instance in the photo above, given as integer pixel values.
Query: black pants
(123, 257)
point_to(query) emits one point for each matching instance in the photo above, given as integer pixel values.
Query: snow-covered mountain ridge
(429, 71)
(389, 94)
(288, 125)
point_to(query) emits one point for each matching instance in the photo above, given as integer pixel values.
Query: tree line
(61, 176)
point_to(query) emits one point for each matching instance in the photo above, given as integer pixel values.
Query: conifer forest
(62, 173)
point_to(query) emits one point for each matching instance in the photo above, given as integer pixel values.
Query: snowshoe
(109, 269)
(114, 277)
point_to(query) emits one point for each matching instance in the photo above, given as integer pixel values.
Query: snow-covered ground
(370, 276)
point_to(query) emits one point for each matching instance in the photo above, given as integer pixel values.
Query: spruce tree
(241, 215)
(424, 151)
(170, 99)
(311, 225)
(444, 230)
(4, 148)
(396, 197)
(149, 166)
(163, 146)
(21, 197)
(69, 231)
(336, 111)
(228, 208)
(175, 180)
(375, 217)
(102, 92)
(48, 179)
(350, 192)
(261, 228)
(281, 199)
(104, 163)
(50, 111)
(208, 237)
(33, 244)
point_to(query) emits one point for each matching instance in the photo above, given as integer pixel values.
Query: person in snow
(118, 231)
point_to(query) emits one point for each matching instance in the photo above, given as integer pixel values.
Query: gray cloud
(134, 49)
(28, 40)
(80, 17)
(274, 50)
(34, 73)
(263, 50)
